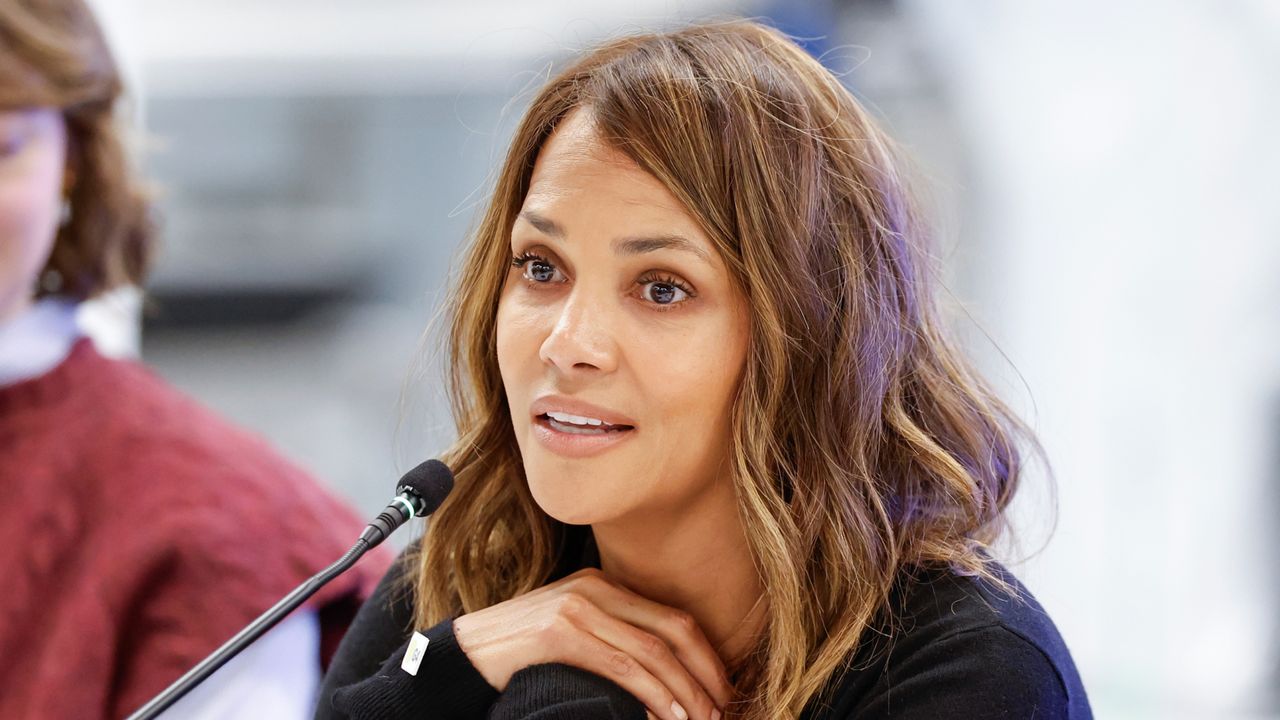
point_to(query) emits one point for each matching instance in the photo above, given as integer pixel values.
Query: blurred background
(1102, 174)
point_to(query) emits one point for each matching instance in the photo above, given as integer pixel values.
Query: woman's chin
(572, 504)
(569, 511)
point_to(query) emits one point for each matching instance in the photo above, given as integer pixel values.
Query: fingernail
(715, 714)
(679, 711)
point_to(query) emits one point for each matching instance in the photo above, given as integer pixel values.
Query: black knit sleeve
(554, 691)
(446, 685)
(978, 674)
(365, 679)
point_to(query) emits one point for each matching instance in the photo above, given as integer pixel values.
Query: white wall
(1122, 195)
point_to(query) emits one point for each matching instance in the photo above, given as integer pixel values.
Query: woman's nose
(582, 338)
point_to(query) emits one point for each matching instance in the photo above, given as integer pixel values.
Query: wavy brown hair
(53, 54)
(863, 442)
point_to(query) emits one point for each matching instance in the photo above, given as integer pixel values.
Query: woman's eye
(662, 292)
(540, 271)
(536, 269)
(13, 138)
(10, 146)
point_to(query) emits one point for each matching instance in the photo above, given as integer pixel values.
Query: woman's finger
(583, 649)
(652, 652)
(677, 628)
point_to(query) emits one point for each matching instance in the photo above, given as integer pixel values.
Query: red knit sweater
(138, 532)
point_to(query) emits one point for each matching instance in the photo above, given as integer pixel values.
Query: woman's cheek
(28, 223)
(504, 347)
(514, 329)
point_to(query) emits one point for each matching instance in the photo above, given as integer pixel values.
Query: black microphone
(418, 494)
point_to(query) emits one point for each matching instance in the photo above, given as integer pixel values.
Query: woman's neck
(695, 558)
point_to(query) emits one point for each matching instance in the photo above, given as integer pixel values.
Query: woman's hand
(655, 652)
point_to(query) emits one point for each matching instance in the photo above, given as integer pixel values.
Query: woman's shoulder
(937, 603)
(961, 646)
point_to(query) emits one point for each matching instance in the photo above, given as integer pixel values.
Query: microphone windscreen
(432, 481)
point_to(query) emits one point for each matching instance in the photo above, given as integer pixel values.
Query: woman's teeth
(575, 419)
(575, 429)
(578, 425)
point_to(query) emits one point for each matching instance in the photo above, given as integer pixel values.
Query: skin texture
(33, 146)
(660, 337)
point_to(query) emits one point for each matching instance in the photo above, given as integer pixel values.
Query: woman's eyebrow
(641, 245)
(629, 245)
(546, 226)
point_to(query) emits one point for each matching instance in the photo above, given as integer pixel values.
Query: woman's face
(617, 308)
(32, 161)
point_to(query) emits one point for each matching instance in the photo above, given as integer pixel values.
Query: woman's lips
(578, 441)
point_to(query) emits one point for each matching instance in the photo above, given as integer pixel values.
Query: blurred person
(717, 454)
(139, 531)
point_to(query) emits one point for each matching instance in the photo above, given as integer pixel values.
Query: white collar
(36, 341)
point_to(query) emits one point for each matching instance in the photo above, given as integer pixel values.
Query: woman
(717, 456)
(140, 531)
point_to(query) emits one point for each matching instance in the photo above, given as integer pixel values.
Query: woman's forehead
(575, 151)
(576, 167)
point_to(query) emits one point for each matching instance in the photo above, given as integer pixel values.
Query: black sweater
(961, 649)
